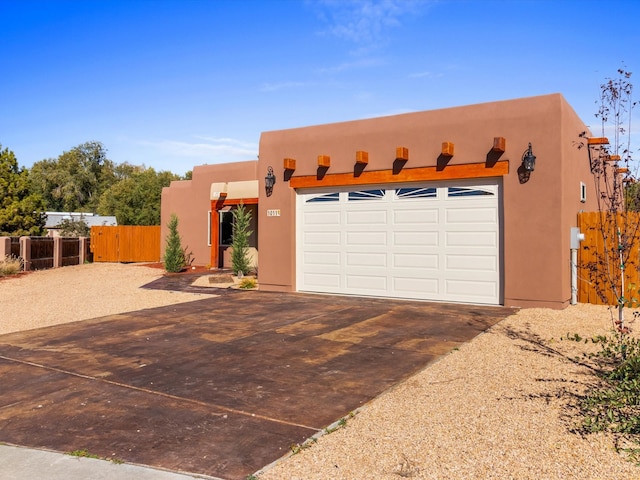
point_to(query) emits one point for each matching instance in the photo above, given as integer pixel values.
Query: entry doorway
(225, 232)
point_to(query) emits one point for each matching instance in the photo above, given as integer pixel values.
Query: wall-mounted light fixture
(528, 160)
(269, 181)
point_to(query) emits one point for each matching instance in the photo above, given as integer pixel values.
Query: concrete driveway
(221, 386)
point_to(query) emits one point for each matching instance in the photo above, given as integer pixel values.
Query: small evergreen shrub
(174, 256)
(240, 240)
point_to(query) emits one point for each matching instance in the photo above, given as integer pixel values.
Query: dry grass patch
(10, 265)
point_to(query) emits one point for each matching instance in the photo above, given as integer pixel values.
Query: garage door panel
(479, 290)
(466, 263)
(366, 283)
(422, 288)
(419, 239)
(415, 261)
(366, 259)
(426, 241)
(418, 217)
(321, 258)
(322, 280)
(366, 238)
(367, 217)
(471, 239)
(322, 238)
(322, 218)
(469, 216)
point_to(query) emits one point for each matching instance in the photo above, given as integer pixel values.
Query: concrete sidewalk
(17, 463)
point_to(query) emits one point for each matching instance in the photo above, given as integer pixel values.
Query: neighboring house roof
(55, 218)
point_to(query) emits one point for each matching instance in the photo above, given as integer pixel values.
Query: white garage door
(419, 241)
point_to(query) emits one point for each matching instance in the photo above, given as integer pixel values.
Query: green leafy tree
(240, 240)
(174, 255)
(21, 212)
(125, 170)
(75, 180)
(135, 200)
(74, 228)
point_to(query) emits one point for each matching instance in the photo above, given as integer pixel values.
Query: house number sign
(273, 213)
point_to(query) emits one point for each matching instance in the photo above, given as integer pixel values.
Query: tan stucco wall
(537, 215)
(190, 201)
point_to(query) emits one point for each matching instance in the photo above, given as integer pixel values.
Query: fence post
(82, 250)
(25, 252)
(5, 247)
(57, 252)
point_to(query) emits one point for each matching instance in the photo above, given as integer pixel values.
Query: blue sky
(173, 84)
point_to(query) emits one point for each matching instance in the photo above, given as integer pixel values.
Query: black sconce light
(528, 160)
(269, 181)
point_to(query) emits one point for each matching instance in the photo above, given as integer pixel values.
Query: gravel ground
(499, 407)
(62, 295)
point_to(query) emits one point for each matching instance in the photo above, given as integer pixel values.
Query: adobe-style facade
(433, 205)
(191, 201)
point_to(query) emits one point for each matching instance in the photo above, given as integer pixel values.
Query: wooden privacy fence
(599, 261)
(15, 246)
(125, 243)
(40, 253)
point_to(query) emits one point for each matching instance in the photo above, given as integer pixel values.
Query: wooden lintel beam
(289, 163)
(499, 144)
(447, 149)
(324, 161)
(597, 141)
(452, 172)
(362, 157)
(402, 153)
(238, 201)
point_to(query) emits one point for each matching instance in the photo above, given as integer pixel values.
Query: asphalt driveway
(221, 386)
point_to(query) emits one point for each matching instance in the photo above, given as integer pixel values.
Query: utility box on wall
(576, 237)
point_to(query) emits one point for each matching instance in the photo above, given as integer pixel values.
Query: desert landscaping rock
(499, 407)
(62, 295)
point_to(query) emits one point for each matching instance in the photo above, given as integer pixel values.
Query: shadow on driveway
(221, 386)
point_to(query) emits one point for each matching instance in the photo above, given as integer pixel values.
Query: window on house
(366, 195)
(325, 197)
(416, 192)
(467, 192)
